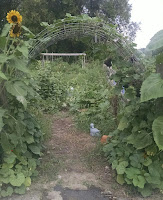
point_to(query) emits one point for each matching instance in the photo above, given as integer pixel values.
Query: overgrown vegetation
(134, 119)
(84, 92)
(20, 133)
(135, 150)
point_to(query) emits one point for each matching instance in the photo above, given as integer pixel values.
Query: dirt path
(72, 169)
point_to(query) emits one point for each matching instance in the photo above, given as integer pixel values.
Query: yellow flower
(15, 31)
(14, 17)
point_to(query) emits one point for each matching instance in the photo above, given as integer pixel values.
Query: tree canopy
(117, 12)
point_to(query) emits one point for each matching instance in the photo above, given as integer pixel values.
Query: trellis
(52, 55)
(71, 28)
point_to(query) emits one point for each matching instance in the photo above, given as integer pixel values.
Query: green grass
(50, 167)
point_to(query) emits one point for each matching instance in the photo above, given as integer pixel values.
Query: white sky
(150, 14)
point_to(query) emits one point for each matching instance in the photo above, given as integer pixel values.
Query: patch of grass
(88, 184)
(50, 166)
(95, 157)
(59, 182)
(45, 122)
(62, 114)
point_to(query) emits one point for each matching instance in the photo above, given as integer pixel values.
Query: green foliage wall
(52, 88)
(20, 133)
(135, 150)
(84, 91)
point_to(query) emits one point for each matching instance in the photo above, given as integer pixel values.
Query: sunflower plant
(14, 18)
(20, 134)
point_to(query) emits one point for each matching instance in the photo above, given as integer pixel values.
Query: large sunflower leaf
(157, 128)
(17, 89)
(22, 100)
(24, 50)
(3, 76)
(5, 30)
(3, 58)
(152, 88)
(30, 34)
(2, 42)
(20, 64)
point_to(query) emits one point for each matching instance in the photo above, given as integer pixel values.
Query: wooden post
(43, 64)
(82, 62)
(46, 55)
(95, 38)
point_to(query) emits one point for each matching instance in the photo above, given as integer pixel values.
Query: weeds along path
(73, 169)
(79, 166)
(73, 158)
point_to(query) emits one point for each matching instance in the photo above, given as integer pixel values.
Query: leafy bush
(89, 99)
(51, 88)
(20, 133)
(135, 150)
(84, 91)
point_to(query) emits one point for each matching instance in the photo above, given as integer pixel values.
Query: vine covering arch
(81, 26)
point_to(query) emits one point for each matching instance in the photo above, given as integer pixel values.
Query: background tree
(114, 11)
(92, 7)
(118, 12)
(36, 11)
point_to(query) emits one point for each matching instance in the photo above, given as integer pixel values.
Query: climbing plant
(79, 27)
(135, 150)
(20, 134)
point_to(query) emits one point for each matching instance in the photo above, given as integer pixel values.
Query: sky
(150, 14)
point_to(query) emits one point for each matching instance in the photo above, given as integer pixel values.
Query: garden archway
(78, 27)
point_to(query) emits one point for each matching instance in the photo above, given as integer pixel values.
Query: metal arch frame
(67, 28)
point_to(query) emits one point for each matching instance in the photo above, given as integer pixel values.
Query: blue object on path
(94, 131)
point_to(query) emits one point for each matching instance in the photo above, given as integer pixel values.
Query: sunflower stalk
(5, 49)
(7, 53)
